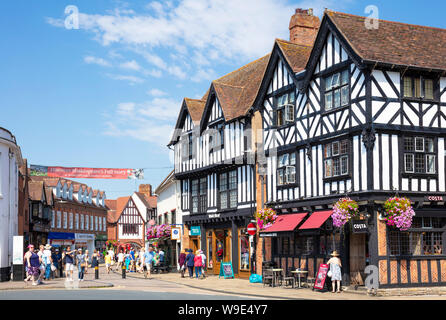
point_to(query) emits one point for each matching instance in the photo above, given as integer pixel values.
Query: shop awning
(286, 222)
(61, 235)
(316, 220)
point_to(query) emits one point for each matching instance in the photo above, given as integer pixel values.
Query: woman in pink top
(198, 263)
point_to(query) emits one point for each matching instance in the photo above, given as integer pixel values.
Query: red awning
(316, 220)
(286, 222)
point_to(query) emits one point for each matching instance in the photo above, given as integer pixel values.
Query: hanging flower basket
(158, 232)
(343, 211)
(399, 213)
(265, 218)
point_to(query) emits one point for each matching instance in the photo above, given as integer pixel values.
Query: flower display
(157, 232)
(343, 211)
(399, 213)
(265, 218)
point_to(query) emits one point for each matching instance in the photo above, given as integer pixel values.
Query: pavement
(172, 282)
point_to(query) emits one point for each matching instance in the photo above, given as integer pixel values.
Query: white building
(10, 160)
(169, 211)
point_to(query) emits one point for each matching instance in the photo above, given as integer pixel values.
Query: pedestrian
(42, 266)
(132, 259)
(127, 260)
(148, 260)
(141, 259)
(69, 263)
(198, 263)
(120, 257)
(203, 260)
(156, 258)
(81, 263)
(47, 260)
(182, 262)
(190, 263)
(335, 271)
(108, 261)
(32, 261)
(55, 266)
(95, 259)
(87, 260)
(161, 253)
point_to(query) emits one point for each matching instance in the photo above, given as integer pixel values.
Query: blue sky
(107, 94)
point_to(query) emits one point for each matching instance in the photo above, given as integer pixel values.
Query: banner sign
(86, 173)
(321, 276)
(17, 250)
(226, 270)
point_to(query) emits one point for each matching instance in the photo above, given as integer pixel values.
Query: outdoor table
(299, 272)
(276, 273)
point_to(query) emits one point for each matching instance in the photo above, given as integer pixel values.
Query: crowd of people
(49, 263)
(190, 261)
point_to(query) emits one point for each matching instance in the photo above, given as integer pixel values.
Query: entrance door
(357, 258)
(222, 248)
(194, 245)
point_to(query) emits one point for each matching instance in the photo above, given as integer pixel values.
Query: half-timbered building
(361, 113)
(212, 148)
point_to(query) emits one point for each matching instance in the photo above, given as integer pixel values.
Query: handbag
(329, 273)
(53, 267)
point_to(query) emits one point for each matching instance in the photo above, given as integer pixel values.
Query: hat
(57, 249)
(335, 254)
(80, 249)
(190, 250)
(47, 247)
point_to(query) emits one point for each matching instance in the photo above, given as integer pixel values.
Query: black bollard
(96, 272)
(123, 272)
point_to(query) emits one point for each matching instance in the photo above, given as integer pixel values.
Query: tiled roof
(295, 54)
(149, 202)
(195, 108)
(35, 190)
(111, 212)
(393, 42)
(237, 90)
(49, 194)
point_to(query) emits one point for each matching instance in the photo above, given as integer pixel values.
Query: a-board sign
(226, 270)
(321, 276)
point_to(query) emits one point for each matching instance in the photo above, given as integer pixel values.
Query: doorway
(358, 257)
(221, 247)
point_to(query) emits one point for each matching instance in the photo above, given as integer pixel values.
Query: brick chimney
(146, 188)
(304, 27)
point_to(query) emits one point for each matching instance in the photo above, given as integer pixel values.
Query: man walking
(148, 258)
(190, 263)
(69, 263)
(46, 257)
(120, 260)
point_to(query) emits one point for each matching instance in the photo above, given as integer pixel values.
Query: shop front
(223, 238)
(61, 240)
(100, 241)
(85, 241)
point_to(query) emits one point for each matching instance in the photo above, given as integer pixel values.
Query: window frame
(201, 195)
(426, 155)
(283, 170)
(227, 190)
(284, 108)
(331, 90)
(422, 89)
(338, 156)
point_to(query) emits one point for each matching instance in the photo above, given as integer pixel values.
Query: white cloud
(98, 61)
(131, 79)
(131, 65)
(152, 121)
(156, 92)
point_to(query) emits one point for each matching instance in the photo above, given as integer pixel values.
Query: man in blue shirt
(132, 260)
(148, 257)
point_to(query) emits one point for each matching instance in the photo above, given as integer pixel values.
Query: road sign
(252, 229)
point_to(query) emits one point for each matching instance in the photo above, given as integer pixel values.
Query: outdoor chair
(289, 278)
(267, 277)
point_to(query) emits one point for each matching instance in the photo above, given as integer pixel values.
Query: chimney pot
(304, 27)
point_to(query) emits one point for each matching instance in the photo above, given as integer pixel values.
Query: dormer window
(418, 87)
(337, 90)
(284, 109)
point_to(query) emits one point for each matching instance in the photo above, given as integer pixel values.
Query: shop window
(304, 245)
(425, 237)
(244, 249)
(209, 253)
(337, 90)
(419, 155)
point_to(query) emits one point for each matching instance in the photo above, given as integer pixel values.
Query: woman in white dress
(335, 269)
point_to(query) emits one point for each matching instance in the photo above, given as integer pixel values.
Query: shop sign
(359, 226)
(195, 231)
(434, 198)
(17, 250)
(61, 235)
(265, 235)
(102, 237)
(214, 215)
(321, 276)
(226, 270)
(84, 236)
(175, 233)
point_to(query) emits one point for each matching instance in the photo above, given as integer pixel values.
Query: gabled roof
(149, 202)
(111, 212)
(393, 43)
(237, 90)
(296, 55)
(49, 195)
(36, 191)
(169, 179)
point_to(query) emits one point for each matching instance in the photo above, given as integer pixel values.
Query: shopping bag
(255, 278)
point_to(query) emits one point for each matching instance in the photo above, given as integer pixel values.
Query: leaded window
(228, 190)
(199, 195)
(337, 90)
(418, 87)
(286, 169)
(419, 155)
(336, 158)
(284, 109)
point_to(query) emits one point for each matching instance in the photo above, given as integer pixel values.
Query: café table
(276, 274)
(299, 273)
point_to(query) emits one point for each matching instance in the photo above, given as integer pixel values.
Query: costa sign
(434, 198)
